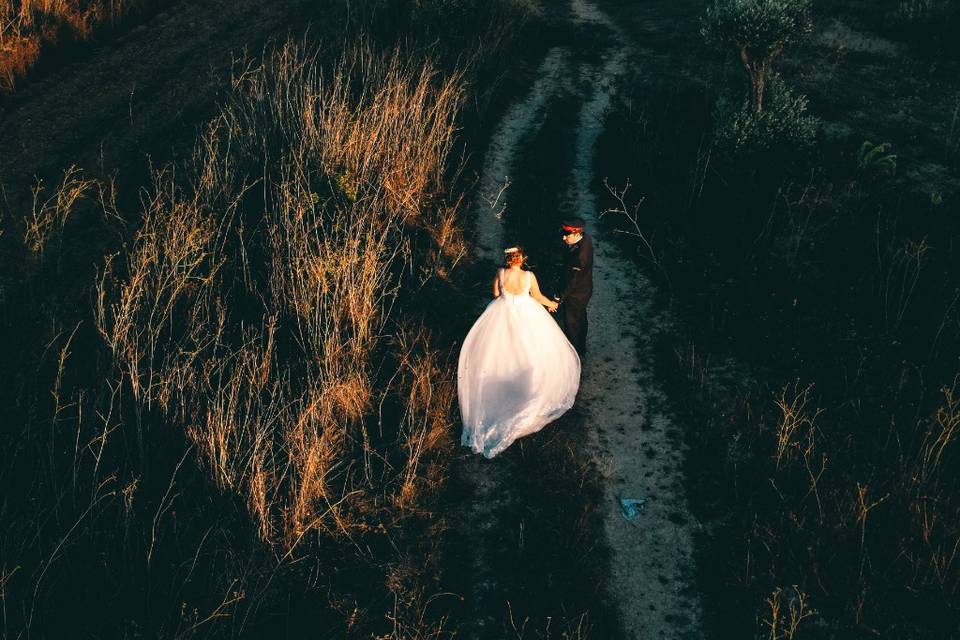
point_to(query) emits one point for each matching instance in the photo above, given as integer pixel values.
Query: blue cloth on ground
(632, 507)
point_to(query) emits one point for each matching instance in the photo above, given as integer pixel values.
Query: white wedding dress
(517, 372)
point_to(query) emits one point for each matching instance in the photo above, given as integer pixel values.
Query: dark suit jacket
(578, 271)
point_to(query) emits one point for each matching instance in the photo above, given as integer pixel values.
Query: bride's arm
(496, 285)
(539, 297)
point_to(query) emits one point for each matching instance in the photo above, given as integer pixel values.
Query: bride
(517, 370)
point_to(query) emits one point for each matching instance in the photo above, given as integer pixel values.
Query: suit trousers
(574, 314)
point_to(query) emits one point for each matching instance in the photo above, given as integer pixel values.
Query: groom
(577, 282)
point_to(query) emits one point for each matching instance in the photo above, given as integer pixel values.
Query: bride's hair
(514, 256)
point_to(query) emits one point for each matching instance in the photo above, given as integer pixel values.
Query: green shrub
(874, 159)
(784, 126)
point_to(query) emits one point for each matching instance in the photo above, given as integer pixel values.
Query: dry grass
(257, 392)
(874, 511)
(50, 213)
(29, 26)
(253, 310)
(797, 430)
(942, 432)
(787, 610)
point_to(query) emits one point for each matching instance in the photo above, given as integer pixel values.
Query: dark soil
(780, 269)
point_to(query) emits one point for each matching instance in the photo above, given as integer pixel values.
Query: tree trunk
(759, 80)
(758, 69)
(754, 69)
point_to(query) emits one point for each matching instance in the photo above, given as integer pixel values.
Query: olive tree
(759, 30)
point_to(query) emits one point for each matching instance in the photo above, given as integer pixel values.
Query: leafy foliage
(783, 126)
(758, 30)
(873, 158)
(763, 27)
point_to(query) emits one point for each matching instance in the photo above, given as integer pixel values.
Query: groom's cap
(572, 225)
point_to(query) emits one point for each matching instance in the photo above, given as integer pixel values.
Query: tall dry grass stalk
(930, 485)
(787, 611)
(50, 212)
(797, 429)
(253, 303)
(942, 431)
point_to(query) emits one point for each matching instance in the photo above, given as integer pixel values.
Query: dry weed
(28, 26)
(254, 316)
(941, 434)
(796, 431)
(49, 215)
(787, 609)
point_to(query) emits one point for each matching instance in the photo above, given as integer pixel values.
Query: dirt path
(632, 439)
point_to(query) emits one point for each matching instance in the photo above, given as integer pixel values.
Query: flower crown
(510, 250)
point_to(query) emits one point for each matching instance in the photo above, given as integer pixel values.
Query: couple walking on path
(518, 371)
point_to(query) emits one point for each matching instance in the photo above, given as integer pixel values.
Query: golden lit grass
(27, 26)
(252, 305)
(796, 431)
(942, 432)
(787, 611)
(262, 326)
(49, 213)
